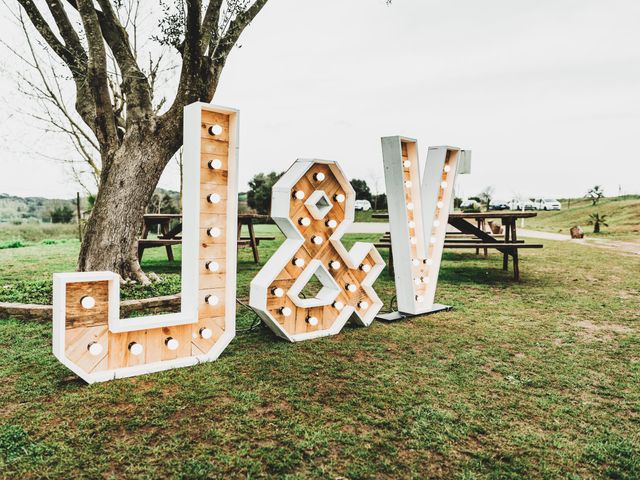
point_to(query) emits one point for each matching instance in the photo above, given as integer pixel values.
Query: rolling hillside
(623, 216)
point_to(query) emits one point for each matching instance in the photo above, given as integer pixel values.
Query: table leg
(252, 242)
(143, 235)
(165, 233)
(516, 266)
(479, 225)
(507, 236)
(484, 227)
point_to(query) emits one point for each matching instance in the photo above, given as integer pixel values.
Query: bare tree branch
(97, 78)
(135, 85)
(210, 25)
(43, 28)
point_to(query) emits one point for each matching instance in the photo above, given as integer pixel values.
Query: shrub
(11, 244)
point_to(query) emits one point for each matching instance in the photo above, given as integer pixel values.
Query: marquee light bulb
(334, 265)
(88, 302)
(214, 198)
(408, 184)
(298, 262)
(428, 261)
(94, 348)
(212, 300)
(410, 206)
(447, 168)
(206, 333)
(440, 204)
(214, 232)
(351, 287)
(417, 281)
(215, 130)
(433, 240)
(316, 240)
(412, 224)
(331, 223)
(285, 311)
(136, 349)
(339, 197)
(415, 262)
(213, 266)
(277, 291)
(171, 343)
(304, 221)
(444, 184)
(365, 267)
(298, 194)
(406, 163)
(363, 305)
(338, 305)
(313, 321)
(436, 223)
(215, 164)
(318, 177)
(419, 298)
(414, 241)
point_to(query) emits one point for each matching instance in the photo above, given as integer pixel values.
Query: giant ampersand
(313, 205)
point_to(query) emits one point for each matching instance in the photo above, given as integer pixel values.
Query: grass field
(538, 379)
(623, 217)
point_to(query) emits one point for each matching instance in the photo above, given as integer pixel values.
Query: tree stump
(576, 232)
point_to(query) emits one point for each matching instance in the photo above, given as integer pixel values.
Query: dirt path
(619, 245)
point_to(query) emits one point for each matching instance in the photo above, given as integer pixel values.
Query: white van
(547, 204)
(363, 205)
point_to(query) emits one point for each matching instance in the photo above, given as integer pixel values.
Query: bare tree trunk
(111, 238)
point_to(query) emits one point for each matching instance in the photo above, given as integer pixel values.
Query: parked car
(522, 205)
(498, 205)
(547, 204)
(363, 205)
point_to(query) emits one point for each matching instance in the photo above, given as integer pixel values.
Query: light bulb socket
(215, 130)
(212, 300)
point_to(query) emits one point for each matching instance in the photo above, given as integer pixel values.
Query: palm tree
(596, 220)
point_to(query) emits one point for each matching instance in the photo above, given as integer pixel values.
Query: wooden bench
(507, 248)
(264, 237)
(157, 242)
(168, 242)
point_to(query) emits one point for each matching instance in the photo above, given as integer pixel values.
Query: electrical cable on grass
(256, 320)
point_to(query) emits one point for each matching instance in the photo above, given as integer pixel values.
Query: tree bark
(111, 238)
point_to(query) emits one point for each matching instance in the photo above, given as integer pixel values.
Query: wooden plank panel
(119, 355)
(76, 314)
(77, 341)
(157, 349)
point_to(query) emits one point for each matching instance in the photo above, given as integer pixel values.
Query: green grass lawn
(623, 217)
(536, 379)
(368, 216)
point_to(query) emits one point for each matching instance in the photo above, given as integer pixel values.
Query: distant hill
(623, 215)
(14, 209)
(29, 209)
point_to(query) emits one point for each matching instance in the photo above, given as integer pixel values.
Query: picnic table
(471, 233)
(171, 236)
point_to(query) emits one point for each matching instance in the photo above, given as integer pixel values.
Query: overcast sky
(546, 93)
